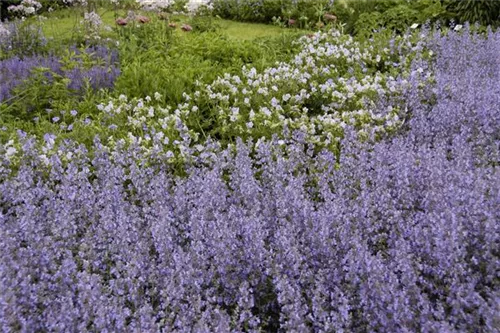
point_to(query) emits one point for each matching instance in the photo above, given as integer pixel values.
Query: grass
(249, 31)
(61, 25)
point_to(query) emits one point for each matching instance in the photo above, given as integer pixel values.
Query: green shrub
(367, 23)
(264, 11)
(204, 23)
(400, 17)
(173, 68)
(485, 12)
(362, 17)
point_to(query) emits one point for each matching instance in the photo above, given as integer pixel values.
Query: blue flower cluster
(14, 71)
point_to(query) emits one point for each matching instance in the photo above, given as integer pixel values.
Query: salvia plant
(398, 233)
(29, 85)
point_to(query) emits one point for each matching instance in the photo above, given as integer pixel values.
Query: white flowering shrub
(333, 82)
(179, 6)
(25, 8)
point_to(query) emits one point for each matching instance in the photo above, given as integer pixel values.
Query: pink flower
(186, 27)
(172, 25)
(143, 19)
(121, 21)
(330, 17)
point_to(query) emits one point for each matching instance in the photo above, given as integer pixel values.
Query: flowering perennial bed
(100, 70)
(397, 233)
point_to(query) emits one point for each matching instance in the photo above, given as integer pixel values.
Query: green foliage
(485, 12)
(37, 94)
(48, 90)
(53, 4)
(154, 58)
(265, 10)
(400, 17)
(138, 38)
(362, 17)
(367, 23)
(204, 23)
(179, 6)
(173, 67)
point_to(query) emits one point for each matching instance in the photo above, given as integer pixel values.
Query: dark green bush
(4, 4)
(485, 12)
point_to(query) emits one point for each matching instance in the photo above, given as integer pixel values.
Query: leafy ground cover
(156, 178)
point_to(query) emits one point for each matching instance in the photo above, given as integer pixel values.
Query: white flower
(44, 159)
(151, 112)
(10, 152)
(93, 19)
